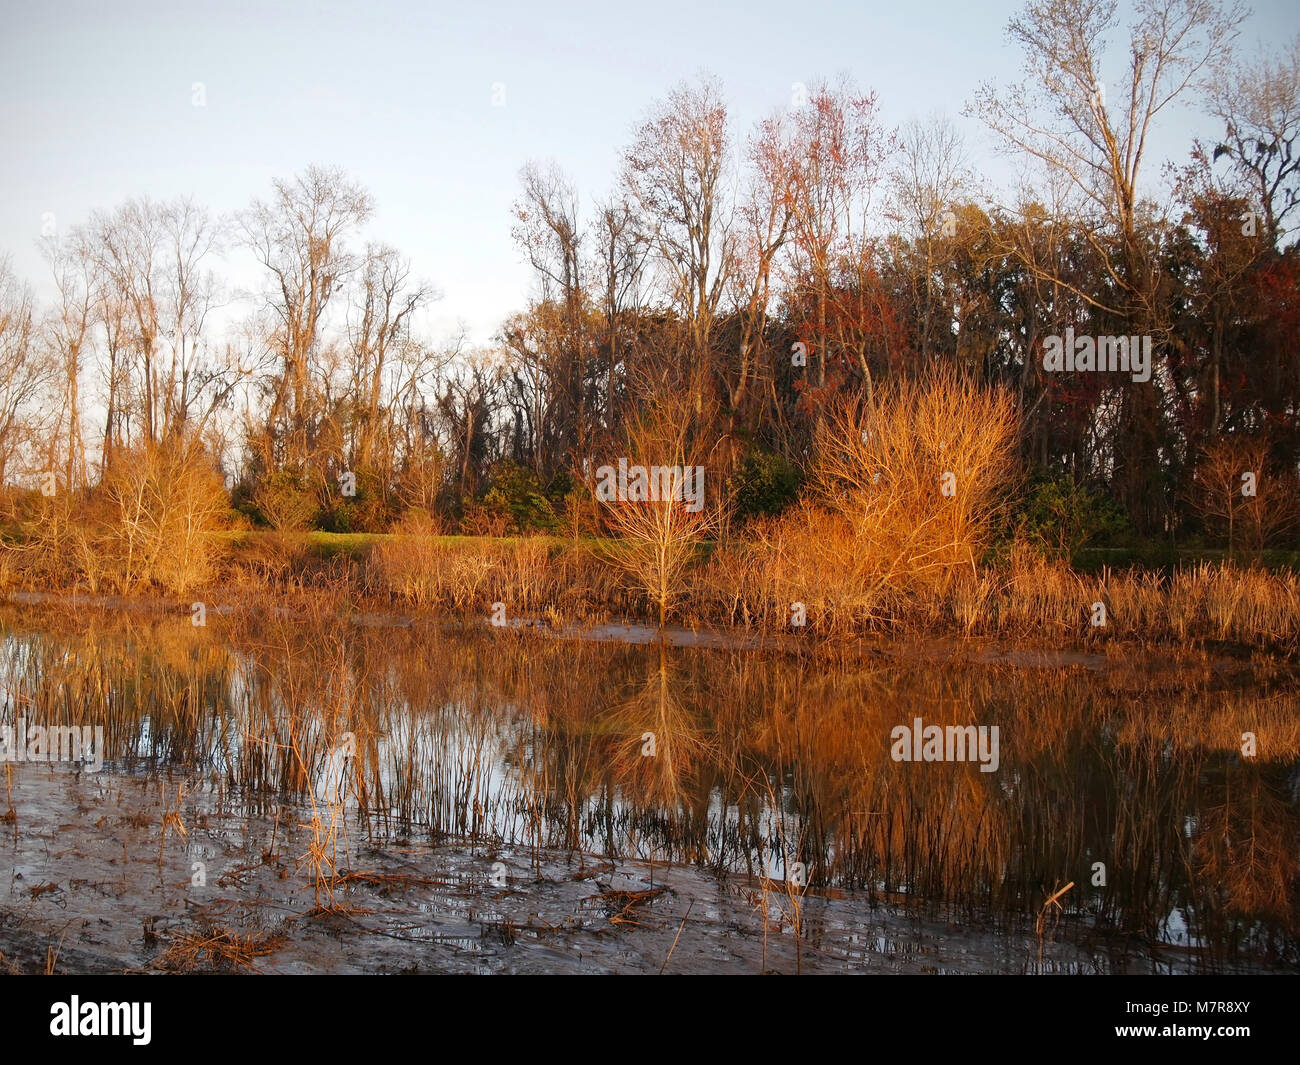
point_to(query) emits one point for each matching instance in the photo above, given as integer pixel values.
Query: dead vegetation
(623, 906)
(217, 948)
(151, 522)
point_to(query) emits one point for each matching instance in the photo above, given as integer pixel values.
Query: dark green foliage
(365, 511)
(517, 493)
(764, 483)
(1061, 515)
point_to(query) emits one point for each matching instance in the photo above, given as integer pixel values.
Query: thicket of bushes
(150, 522)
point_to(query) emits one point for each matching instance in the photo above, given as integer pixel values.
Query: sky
(435, 107)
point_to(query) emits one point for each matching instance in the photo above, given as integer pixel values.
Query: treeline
(757, 276)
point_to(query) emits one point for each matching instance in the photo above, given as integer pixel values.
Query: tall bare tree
(189, 289)
(548, 231)
(619, 269)
(926, 180)
(151, 260)
(68, 329)
(838, 145)
(24, 373)
(764, 218)
(1064, 115)
(386, 299)
(1259, 104)
(301, 237)
(676, 171)
(126, 248)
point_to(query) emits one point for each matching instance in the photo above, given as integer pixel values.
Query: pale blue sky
(95, 103)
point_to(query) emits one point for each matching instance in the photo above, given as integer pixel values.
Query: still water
(389, 796)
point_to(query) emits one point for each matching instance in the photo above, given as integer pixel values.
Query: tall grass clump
(151, 522)
(162, 505)
(901, 500)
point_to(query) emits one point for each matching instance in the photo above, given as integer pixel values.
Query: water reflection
(1130, 783)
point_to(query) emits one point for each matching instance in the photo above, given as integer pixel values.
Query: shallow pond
(304, 793)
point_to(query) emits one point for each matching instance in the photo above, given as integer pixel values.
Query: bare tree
(838, 147)
(535, 386)
(387, 297)
(154, 296)
(548, 232)
(927, 178)
(764, 215)
(68, 329)
(300, 238)
(1239, 490)
(675, 171)
(113, 318)
(1259, 104)
(471, 396)
(1061, 113)
(126, 247)
(421, 458)
(24, 374)
(620, 267)
(189, 291)
(546, 228)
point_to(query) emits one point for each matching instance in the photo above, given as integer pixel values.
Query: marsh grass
(860, 559)
(1029, 600)
(751, 584)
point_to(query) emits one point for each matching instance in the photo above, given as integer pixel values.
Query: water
(382, 797)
